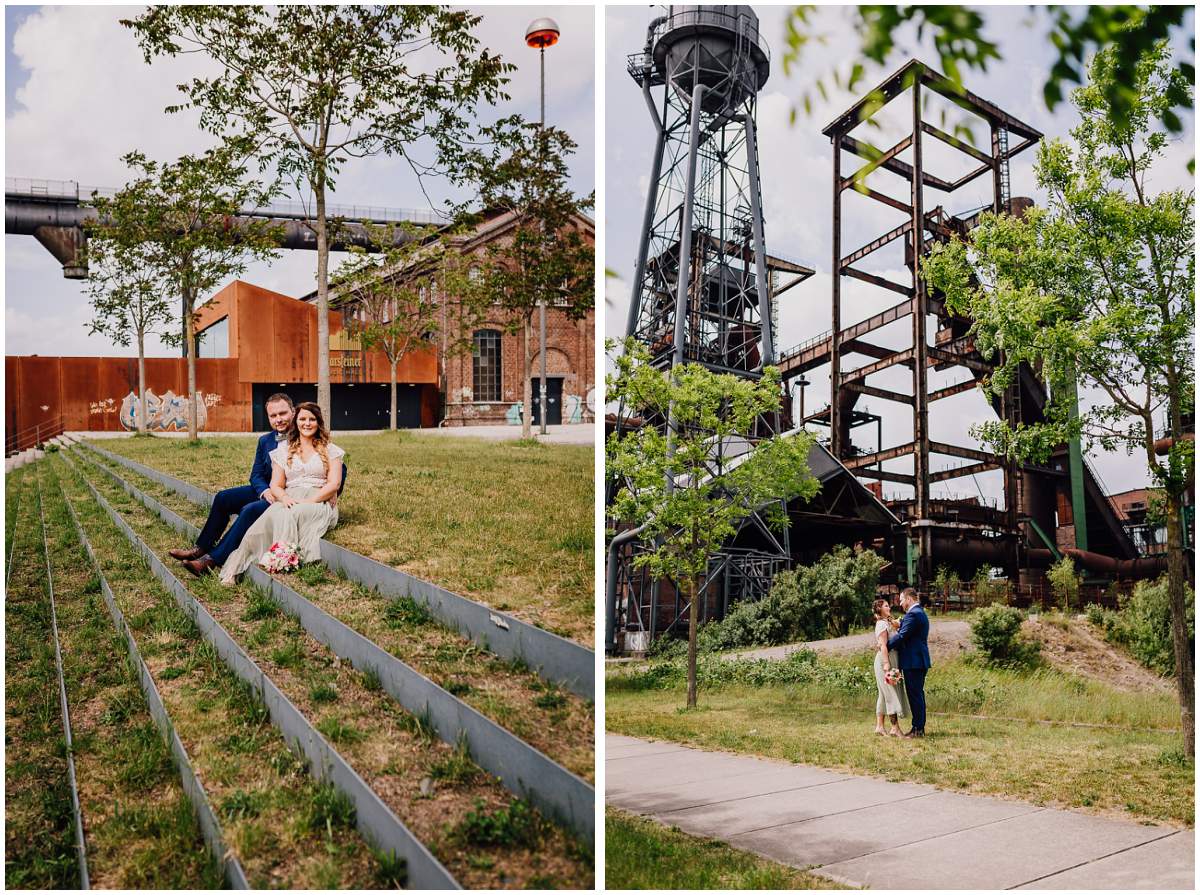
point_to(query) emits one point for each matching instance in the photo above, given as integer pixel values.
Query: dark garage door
(355, 406)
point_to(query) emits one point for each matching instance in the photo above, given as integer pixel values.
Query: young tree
(395, 300)
(182, 214)
(675, 483)
(127, 291)
(545, 257)
(1064, 582)
(1098, 289)
(317, 85)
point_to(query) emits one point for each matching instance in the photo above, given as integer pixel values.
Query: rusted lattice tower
(704, 285)
(937, 339)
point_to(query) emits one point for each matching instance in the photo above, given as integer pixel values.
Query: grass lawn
(644, 854)
(433, 787)
(506, 523)
(984, 734)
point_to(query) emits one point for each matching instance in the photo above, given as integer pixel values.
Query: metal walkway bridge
(54, 213)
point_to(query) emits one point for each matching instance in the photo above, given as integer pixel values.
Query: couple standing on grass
(901, 663)
(291, 499)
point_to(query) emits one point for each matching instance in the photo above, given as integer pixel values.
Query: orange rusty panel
(41, 386)
(223, 304)
(294, 324)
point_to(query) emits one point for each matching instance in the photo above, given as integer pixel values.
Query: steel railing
(33, 436)
(71, 190)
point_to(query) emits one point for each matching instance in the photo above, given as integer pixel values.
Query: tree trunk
(393, 404)
(527, 385)
(323, 399)
(1178, 592)
(141, 408)
(693, 618)
(189, 327)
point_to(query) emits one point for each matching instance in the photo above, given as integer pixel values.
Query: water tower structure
(703, 283)
(701, 290)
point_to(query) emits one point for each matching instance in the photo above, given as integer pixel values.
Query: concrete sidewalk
(862, 831)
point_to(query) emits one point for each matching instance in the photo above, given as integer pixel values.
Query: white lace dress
(892, 698)
(303, 524)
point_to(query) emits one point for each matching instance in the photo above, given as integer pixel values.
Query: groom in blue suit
(248, 502)
(911, 644)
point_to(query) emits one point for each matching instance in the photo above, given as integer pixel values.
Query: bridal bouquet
(892, 676)
(281, 558)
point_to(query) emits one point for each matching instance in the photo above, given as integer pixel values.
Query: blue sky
(79, 96)
(796, 164)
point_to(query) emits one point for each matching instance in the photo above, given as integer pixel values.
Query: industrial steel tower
(702, 290)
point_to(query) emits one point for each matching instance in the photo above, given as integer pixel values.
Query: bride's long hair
(320, 437)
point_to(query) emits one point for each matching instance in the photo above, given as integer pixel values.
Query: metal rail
(552, 657)
(67, 190)
(206, 817)
(525, 771)
(64, 707)
(374, 819)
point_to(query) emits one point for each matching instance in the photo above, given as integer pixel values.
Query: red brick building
(485, 386)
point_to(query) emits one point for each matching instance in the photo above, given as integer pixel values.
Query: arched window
(485, 365)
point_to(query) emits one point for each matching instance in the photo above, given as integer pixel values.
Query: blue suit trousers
(245, 502)
(914, 687)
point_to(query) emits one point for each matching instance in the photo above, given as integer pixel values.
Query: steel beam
(946, 475)
(963, 453)
(898, 397)
(900, 450)
(957, 389)
(884, 475)
(863, 372)
(876, 280)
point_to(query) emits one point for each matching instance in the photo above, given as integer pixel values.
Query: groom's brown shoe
(914, 734)
(199, 566)
(184, 553)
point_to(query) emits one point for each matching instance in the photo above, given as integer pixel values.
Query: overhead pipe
(1141, 567)
(1163, 446)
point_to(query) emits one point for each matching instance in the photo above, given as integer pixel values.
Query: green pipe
(1075, 461)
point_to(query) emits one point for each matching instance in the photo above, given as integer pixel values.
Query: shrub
(996, 633)
(825, 599)
(947, 581)
(1143, 625)
(1064, 582)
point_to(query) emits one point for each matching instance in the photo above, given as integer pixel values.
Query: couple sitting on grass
(291, 499)
(901, 663)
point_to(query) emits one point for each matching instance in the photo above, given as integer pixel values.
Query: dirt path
(947, 638)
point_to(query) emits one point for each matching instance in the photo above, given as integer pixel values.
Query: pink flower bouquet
(892, 676)
(281, 558)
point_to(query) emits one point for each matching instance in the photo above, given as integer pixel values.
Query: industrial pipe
(610, 595)
(1162, 446)
(1142, 567)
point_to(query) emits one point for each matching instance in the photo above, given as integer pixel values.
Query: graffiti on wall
(168, 413)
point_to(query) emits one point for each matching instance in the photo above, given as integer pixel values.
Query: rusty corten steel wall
(274, 338)
(87, 391)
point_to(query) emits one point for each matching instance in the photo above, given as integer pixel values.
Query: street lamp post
(540, 34)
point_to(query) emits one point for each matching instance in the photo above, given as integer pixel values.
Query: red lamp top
(541, 33)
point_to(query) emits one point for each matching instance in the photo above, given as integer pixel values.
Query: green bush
(996, 633)
(1143, 625)
(825, 599)
(1064, 582)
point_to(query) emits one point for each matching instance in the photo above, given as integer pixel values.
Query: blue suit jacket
(260, 472)
(911, 642)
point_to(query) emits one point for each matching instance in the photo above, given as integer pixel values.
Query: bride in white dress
(306, 472)
(892, 701)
